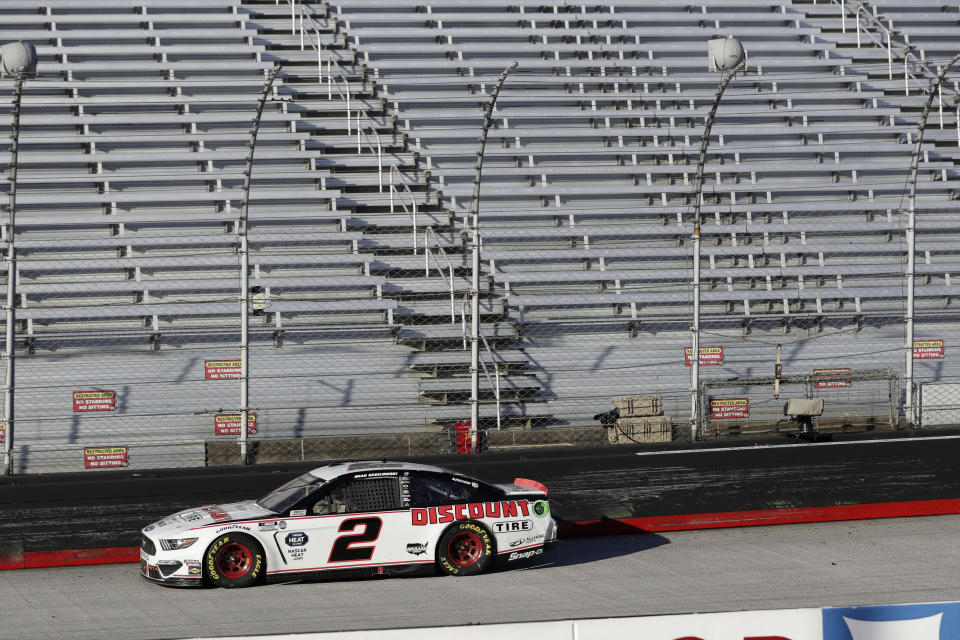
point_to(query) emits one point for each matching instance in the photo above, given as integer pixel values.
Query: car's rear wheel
(465, 549)
(234, 560)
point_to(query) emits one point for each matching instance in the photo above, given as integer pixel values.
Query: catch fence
(130, 247)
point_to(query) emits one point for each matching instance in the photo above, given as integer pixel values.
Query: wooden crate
(642, 429)
(635, 406)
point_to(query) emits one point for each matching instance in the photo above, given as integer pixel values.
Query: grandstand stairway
(429, 292)
(589, 166)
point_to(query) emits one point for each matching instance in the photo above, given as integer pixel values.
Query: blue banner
(938, 621)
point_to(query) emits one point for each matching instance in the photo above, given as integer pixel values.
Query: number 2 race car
(345, 520)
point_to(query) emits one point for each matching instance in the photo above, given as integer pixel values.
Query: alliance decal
(471, 511)
(528, 540)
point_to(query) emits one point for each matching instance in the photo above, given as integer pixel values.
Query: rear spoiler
(530, 484)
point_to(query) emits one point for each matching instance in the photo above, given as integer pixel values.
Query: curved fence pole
(909, 410)
(11, 307)
(695, 417)
(245, 271)
(19, 60)
(475, 262)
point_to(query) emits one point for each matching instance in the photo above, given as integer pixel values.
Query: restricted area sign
(831, 378)
(927, 349)
(221, 369)
(726, 408)
(104, 457)
(709, 356)
(94, 401)
(228, 424)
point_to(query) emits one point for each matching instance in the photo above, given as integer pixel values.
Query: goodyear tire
(234, 560)
(465, 549)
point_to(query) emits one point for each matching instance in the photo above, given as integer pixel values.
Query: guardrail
(887, 30)
(428, 256)
(396, 194)
(338, 80)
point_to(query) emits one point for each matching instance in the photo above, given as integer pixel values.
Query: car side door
(352, 525)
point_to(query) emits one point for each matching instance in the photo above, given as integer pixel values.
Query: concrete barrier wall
(597, 490)
(931, 621)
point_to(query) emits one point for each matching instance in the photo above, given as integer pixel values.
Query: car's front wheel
(465, 549)
(234, 560)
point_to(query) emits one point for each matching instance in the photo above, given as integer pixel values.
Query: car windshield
(282, 498)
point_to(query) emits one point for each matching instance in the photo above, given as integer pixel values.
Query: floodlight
(724, 53)
(18, 58)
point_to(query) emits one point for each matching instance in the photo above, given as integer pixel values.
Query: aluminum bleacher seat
(595, 138)
(135, 136)
(133, 143)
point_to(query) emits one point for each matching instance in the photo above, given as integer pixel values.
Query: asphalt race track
(632, 484)
(837, 563)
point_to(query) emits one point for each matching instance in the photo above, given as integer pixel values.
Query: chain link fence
(852, 401)
(128, 255)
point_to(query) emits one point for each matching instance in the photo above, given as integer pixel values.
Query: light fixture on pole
(723, 54)
(245, 271)
(908, 409)
(19, 61)
(475, 265)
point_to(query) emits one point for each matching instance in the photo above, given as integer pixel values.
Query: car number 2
(343, 549)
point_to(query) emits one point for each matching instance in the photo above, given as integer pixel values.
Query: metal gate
(853, 401)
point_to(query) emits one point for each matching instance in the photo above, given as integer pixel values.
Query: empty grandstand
(133, 145)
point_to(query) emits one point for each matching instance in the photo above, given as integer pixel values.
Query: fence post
(909, 409)
(245, 271)
(475, 264)
(738, 65)
(9, 414)
(22, 63)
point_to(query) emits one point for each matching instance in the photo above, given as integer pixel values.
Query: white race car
(345, 520)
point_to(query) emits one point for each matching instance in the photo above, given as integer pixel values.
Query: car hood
(207, 515)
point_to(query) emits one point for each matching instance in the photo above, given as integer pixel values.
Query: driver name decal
(470, 511)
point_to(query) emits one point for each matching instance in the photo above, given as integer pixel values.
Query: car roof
(332, 471)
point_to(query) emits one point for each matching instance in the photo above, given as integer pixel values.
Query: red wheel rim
(234, 560)
(465, 549)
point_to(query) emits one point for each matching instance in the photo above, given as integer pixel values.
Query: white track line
(799, 444)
